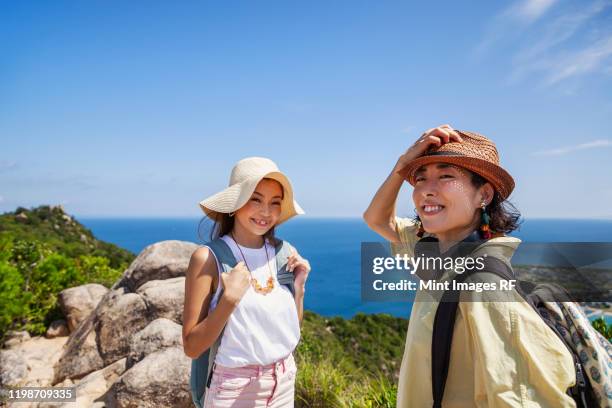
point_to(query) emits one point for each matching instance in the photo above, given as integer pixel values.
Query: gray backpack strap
(202, 367)
(283, 250)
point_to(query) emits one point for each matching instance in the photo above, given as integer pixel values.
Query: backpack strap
(202, 367)
(444, 324)
(284, 277)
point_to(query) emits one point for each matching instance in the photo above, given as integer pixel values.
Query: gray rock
(81, 355)
(22, 217)
(14, 338)
(94, 386)
(161, 379)
(165, 298)
(159, 334)
(117, 322)
(13, 368)
(162, 260)
(77, 303)
(57, 328)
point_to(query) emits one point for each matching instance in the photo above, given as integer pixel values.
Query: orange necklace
(254, 283)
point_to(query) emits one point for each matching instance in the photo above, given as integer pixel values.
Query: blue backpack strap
(202, 367)
(285, 277)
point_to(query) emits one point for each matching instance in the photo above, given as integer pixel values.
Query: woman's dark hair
(504, 215)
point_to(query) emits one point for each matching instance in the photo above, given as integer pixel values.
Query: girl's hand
(433, 137)
(236, 282)
(300, 268)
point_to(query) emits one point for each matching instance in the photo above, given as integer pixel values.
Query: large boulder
(117, 322)
(81, 354)
(162, 260)
(165, 298)
(159, 334)
(77, 303)
(161, 379)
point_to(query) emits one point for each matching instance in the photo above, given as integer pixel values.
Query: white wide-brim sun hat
(246, 174)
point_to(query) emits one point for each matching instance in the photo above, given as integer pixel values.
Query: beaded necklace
(254, 283)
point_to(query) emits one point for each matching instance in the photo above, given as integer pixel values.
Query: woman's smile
(430, 210)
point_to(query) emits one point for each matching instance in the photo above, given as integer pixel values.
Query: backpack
(586, 345)
(202, 366)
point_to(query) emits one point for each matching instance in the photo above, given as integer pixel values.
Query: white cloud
(591, 59)
(569, 44)
(529, 10)
(560, 29)
(569, 149)
(511, 22)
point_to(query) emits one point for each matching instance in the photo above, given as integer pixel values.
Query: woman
(502, 353)
(243, 315)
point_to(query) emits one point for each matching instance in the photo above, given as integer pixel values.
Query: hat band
(444, 154)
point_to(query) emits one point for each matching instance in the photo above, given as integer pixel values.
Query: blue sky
(142, 108)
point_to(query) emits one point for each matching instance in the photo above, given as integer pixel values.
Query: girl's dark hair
(223, 224)
(505, 217)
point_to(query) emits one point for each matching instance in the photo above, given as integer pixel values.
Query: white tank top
(262, 329)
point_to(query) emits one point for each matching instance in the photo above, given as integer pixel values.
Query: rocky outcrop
(125, 345)
(130, 344)
(159, 334)
(77, 303)
(161, 379)
(30, 362)
(160, 261)
(165, 298)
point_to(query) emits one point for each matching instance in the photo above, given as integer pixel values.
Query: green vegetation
(60, 233)
(42, 252)
(601, 326)
(349, 363)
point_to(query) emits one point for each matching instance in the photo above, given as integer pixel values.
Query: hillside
(60, 232)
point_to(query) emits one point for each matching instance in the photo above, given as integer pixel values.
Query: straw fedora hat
(476, 153)
(246, 174)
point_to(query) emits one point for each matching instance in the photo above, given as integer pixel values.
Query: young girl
(502, 353)
(245, 316)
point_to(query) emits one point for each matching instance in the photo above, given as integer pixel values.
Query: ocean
(332, 245)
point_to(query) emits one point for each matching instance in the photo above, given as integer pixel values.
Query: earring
(485, 231)
(421, 230)
(232, 214)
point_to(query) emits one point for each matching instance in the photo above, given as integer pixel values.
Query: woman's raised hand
(433, 137)
(236, 282)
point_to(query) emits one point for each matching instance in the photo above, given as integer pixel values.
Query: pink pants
(253, 386)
